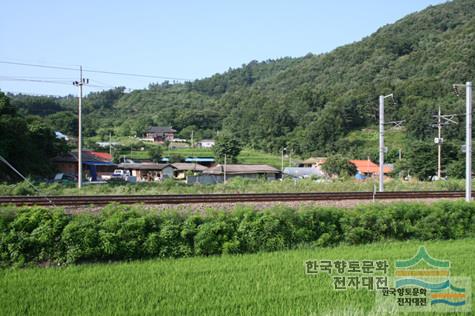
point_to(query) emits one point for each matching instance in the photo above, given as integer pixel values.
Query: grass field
(259, 284)
(236, 185)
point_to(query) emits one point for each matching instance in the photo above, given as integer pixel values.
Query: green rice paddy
(258, 284)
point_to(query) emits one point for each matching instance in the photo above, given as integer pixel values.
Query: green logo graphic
(435, 282)
(422, 255)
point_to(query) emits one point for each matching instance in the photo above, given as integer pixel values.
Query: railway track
(222, 198)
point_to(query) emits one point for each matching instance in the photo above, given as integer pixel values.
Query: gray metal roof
(188, 166)
(160, 129)
(145, 166)
(297, 172)
(242, 169)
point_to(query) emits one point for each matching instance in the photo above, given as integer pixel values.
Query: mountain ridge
(307, 103)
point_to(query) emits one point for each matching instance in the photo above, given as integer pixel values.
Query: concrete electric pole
(79, 84)
(468, 138)
(441, 121)
(382, 149)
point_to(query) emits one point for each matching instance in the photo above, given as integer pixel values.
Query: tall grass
(235, 185)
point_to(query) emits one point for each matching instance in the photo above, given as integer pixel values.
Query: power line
(25, 179)
(48, 81)
(93, 71)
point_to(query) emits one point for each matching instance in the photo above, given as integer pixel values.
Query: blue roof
(199, 159)
(99, 163)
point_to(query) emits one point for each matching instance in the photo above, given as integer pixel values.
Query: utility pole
(468, 138)
(381, 143)
(439, 144)
(110, 143)
(441, 121)
(79, 84)
(382, 149)
(468, 154)
(282, 162)
(224, 171)
(290, 158)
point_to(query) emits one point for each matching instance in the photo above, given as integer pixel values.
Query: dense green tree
(338, 165)
(422, 160)
(226, 145)
(155, 153)
(27, 145)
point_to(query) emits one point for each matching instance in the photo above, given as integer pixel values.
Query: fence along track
(222, 198)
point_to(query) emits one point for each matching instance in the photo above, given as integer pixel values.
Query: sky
(179, 39)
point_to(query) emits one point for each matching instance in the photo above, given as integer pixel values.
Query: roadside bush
(122, 232)
(41, 235)
(213, 233)
(170, 239)
(34, 236)
(80, 239)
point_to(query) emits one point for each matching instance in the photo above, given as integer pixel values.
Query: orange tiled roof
(367, 166)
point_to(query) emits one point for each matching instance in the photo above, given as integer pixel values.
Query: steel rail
(82, 200)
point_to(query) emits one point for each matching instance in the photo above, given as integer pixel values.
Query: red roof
(367, 166)
(100, 155)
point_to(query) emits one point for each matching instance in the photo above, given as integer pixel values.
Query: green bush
(34, 235)
(80, 239)
(39, 235)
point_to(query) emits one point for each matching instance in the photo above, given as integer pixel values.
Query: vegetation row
(40, 235)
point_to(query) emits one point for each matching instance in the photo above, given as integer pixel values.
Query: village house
(183, 168)
(160, 134)
(217, 173)
(313, 162)
(205, 143)
(303, 172)
(94, 164)
(149, 171)
(367, 168)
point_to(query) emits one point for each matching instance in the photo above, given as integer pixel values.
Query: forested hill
(308, 103)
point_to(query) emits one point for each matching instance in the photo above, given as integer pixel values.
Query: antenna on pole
(79, 84)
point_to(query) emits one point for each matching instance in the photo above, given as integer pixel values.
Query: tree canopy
(28, 145)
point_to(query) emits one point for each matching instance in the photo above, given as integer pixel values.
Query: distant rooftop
(183, 166)
(199, 159)
(313, 160)
(160, 129)
(367, 166)
(241, 169)
(144, 166)
(302, 172)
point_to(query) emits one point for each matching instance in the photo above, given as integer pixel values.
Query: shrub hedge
(38, 235)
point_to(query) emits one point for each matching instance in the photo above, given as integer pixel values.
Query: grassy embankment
(256, 284)
(237, 185)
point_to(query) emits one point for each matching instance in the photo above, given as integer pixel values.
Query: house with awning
(94, 164)
(149, 171)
